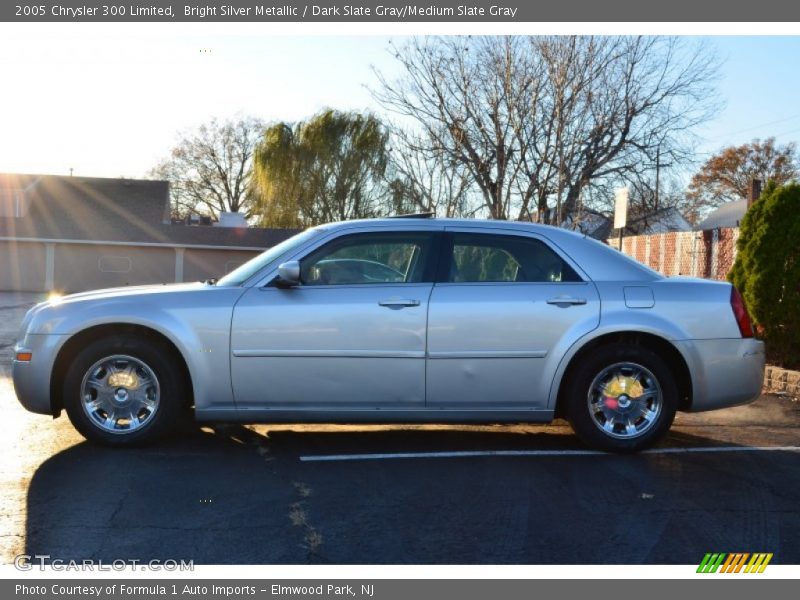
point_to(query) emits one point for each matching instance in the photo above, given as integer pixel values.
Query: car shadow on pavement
(239, 495)
(201, 496)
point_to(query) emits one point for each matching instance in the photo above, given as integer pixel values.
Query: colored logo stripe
(733, 563)
(758, 563)
(710, 563)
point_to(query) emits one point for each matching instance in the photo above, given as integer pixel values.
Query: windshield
(255, 264)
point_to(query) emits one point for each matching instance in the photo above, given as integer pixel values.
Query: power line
(788, 132)
(753, 127)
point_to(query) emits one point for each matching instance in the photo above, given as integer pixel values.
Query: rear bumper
(725, 372)
(32, 378)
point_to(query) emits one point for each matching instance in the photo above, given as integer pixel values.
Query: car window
(263, 260)
(480, 258)
(368, 258)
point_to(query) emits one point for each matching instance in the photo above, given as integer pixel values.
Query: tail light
(740, 313)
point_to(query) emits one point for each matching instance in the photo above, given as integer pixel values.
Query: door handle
(398, 302)
(566, 300)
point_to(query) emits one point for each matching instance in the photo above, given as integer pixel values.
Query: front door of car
(351, 335)
(503, 311)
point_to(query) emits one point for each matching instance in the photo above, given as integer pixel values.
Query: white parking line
(471, 453)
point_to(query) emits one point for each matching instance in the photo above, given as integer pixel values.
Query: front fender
(197, 324)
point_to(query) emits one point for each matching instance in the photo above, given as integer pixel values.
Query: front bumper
(32, 378)
(725, 372)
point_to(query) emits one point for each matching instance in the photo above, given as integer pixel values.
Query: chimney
(754, 193)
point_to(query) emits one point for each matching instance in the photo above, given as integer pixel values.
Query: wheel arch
(663, 347)
(78, 340)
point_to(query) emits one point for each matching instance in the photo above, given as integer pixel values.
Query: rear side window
(480, 258)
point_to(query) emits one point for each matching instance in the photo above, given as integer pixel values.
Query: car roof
(598, 260)
(442, 222)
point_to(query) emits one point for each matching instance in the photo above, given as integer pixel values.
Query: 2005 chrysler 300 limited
(399, 320)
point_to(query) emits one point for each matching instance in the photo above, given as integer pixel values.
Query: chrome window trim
(524, 234)
(265, 277)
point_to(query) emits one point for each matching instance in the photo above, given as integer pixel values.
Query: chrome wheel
(120, 394)
(625, 400)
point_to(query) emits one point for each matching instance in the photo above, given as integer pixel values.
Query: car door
(504, 309)
(350, 335)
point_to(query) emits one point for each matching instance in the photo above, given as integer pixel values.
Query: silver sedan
(399, 321)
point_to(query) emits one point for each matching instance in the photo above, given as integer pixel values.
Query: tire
(123, 391)
(621, 398)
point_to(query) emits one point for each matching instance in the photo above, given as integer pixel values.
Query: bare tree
(210, 168)
(648, 199)
(538, 120)
(422, 180)
(456, 89)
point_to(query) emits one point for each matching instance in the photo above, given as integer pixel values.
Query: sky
(760, 88)
(109, 101)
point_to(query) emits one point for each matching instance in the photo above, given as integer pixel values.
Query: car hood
(118, 292)
(62, 314)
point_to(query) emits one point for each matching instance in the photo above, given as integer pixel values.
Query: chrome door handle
(566, 300)
(398, 302)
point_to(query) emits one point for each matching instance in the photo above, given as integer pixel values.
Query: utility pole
(621, 212)
(658, 174)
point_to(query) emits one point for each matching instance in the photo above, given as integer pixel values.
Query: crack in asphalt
(312, 539)
(119, 506)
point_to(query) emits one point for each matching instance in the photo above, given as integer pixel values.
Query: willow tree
(328, 168)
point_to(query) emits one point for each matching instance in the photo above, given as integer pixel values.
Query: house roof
(601, 227)
(114, 210)
(661, 221)
(729, 214)
(591, 223)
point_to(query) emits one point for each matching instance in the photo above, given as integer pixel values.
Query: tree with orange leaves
(726, 176)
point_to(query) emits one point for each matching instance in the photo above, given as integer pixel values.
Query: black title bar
(402, 11)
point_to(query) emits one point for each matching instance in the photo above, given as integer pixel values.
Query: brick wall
(782, 381)
(708, 254)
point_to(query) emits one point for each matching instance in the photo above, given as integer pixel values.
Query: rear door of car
(504, 306)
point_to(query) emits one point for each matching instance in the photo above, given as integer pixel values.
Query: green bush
(767, 271)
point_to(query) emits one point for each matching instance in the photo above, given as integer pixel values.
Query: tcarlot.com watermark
(42, 562)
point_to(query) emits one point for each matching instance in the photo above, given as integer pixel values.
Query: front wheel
(621, 398)
(123, 391)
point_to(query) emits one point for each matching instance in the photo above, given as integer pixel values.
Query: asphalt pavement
(721, 482)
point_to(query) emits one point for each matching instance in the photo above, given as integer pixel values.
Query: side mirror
(288, 274)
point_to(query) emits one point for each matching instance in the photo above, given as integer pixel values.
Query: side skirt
(372, 416)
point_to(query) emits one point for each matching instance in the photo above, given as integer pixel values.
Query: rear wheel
(123, 391)
(621, 397)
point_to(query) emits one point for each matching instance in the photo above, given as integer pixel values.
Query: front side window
(481, 258)
(259, 263)
(368, 259)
